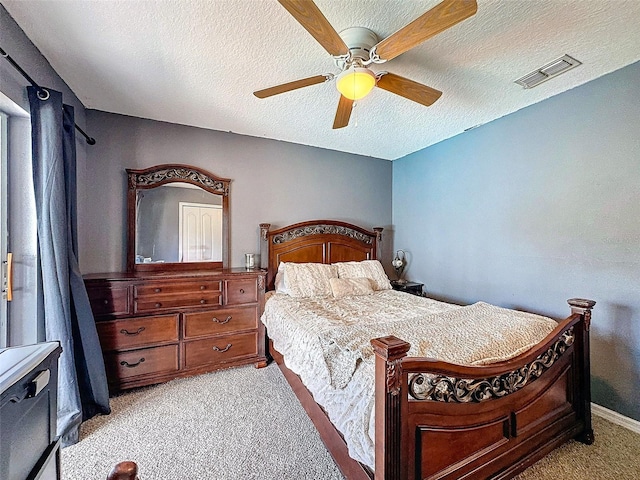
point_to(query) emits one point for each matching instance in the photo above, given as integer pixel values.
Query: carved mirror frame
(156, 176)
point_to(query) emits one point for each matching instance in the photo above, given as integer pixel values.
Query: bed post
(378, 240)
(390, 408)
(124, 471)
(264, 247)
(583, 308)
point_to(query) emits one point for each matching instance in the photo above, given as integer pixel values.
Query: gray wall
(22, 222)
(273, 182)
(535, 208)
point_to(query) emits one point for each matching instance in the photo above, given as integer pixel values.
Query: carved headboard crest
(322, 229)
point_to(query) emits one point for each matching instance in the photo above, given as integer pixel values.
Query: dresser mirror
(178, 219)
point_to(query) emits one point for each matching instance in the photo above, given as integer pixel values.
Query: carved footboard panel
(436, 420)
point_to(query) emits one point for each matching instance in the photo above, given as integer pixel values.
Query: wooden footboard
(436, 420)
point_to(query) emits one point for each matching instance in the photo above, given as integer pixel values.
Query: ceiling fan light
(356, 83)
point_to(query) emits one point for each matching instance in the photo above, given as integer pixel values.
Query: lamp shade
(356, 82)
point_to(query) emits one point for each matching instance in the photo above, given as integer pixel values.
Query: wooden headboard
(318, 241)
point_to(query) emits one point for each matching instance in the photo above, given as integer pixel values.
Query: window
(19, 318)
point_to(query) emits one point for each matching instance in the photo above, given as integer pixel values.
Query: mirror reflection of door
(158, 222)
(200, 237)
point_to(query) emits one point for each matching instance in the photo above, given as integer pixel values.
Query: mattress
(326, 342)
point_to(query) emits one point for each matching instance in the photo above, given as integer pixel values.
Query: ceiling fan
(355, 48)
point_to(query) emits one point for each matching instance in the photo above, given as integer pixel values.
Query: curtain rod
(14, 64)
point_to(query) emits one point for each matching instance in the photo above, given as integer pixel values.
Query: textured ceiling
(197, 62)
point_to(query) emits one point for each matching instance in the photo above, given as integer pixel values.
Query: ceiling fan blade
(287, 87)
(434, 21)
(311, 18)
(408, 89)
(343, 114)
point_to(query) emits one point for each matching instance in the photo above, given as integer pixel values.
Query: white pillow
(308, 279)
(279, 281)
(342, 287)
(371, 269)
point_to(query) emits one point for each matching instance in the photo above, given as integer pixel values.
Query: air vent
(553, 69)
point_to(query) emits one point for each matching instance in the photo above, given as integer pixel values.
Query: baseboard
(615, 417)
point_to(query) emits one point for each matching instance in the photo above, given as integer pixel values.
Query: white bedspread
(326, 341)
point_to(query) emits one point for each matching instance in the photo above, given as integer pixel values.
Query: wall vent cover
(550, 70)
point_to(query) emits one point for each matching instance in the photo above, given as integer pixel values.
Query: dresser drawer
(137, 332)
(151, 303)
(163, 288)
(220, 349)
(223, 320)
(146, 361)
(242, 291)
(109, 300)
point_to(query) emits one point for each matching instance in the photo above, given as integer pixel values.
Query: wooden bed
(470, 422)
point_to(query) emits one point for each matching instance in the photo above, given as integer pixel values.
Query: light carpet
(246, 423)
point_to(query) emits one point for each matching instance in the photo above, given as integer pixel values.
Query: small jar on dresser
(154, 327)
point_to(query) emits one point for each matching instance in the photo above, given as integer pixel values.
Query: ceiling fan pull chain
(355, 114)
(353, 107)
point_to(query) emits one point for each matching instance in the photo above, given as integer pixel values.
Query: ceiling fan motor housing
(360, 40)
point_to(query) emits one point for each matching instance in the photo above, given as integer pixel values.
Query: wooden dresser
(157, 326)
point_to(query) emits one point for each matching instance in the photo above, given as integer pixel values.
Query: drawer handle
(126, 332)
(158, 305)
(105, 301)
(158, 290)
(203, 301)
(131, 365)
(221, 322)
(222, 350)
(203, 287)
(242, 290)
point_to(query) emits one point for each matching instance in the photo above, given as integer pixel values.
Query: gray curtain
(66, 313)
